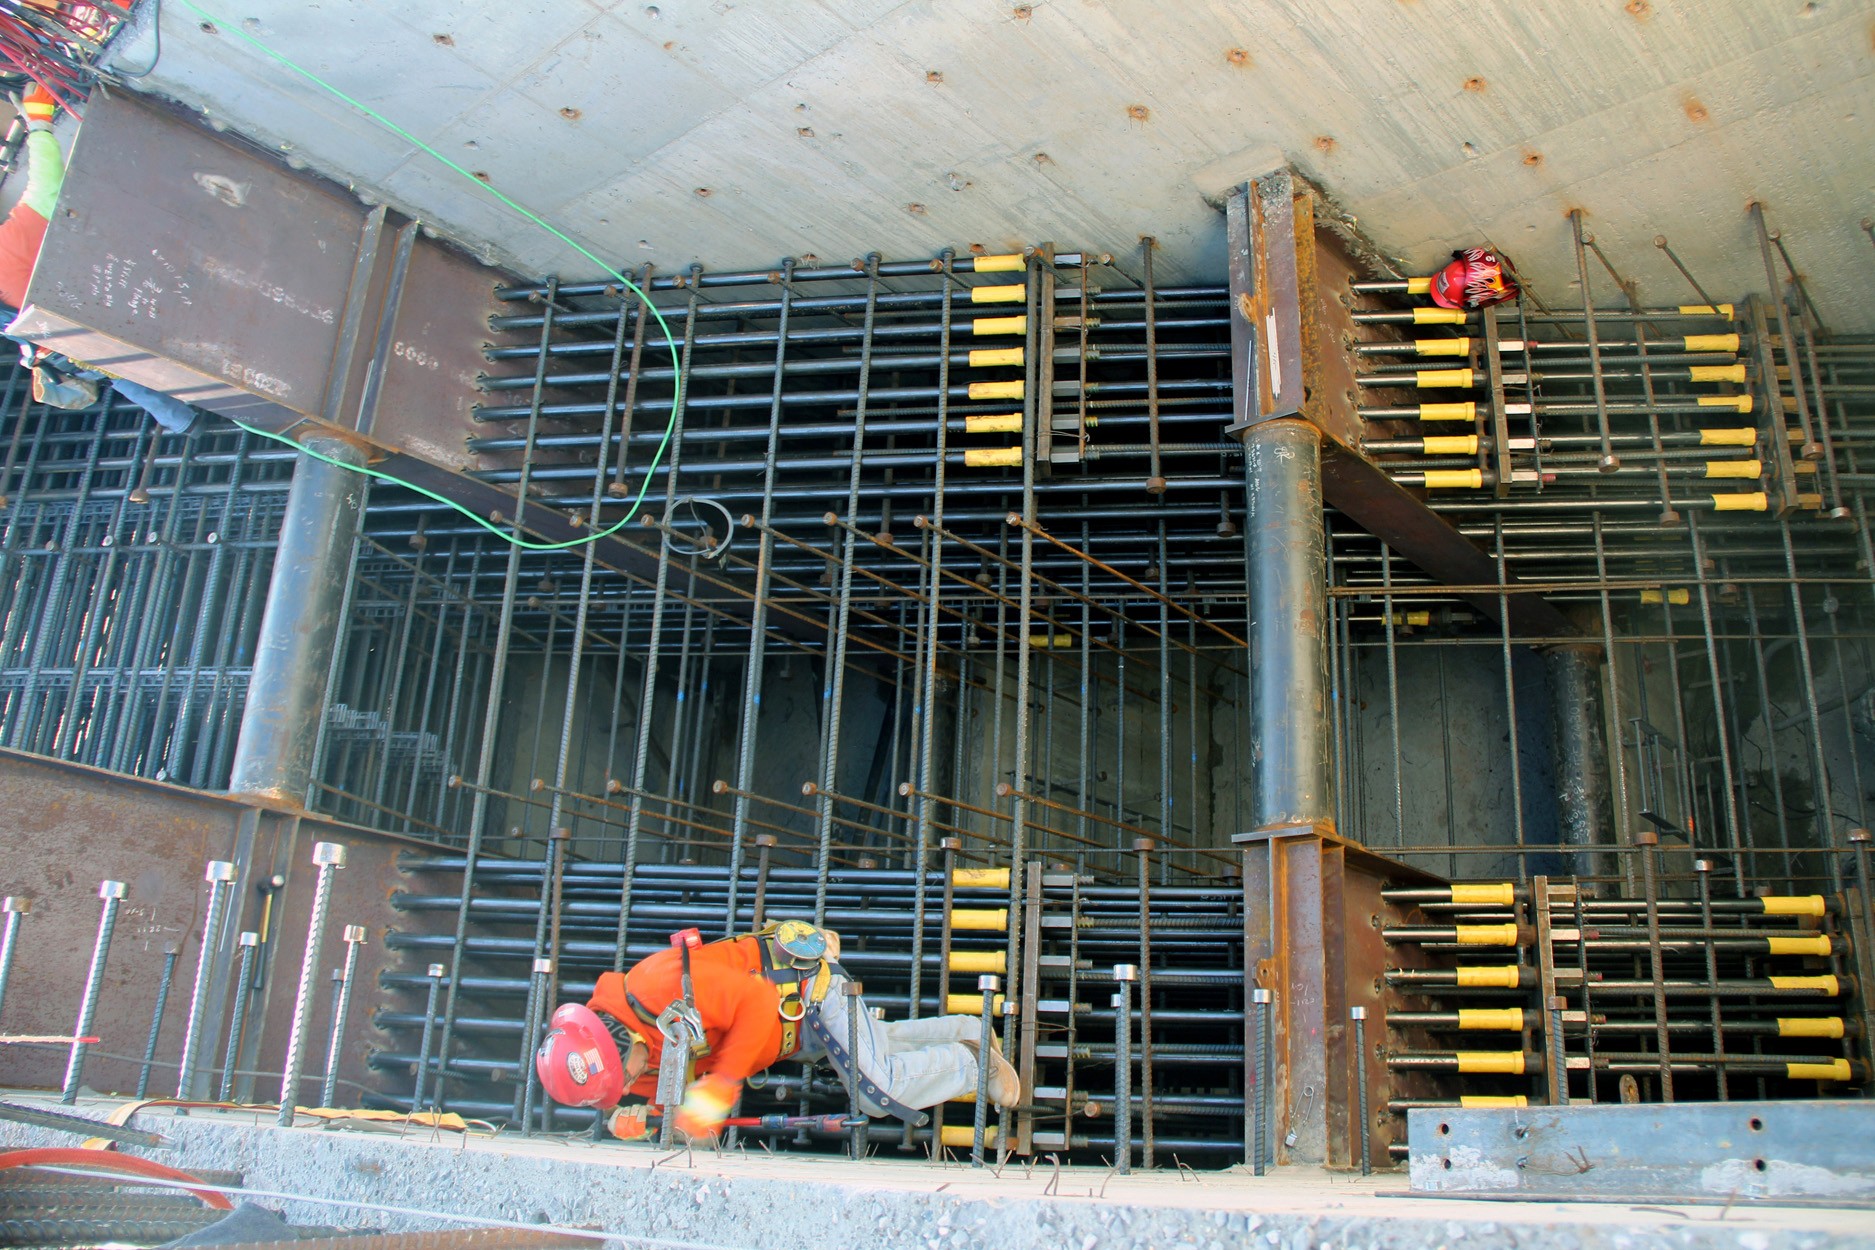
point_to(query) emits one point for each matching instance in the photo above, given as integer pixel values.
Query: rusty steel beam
(1287, 326)
(197, 266)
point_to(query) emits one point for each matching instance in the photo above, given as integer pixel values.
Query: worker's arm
(745, 1047)
(45, 173)
(25, 227)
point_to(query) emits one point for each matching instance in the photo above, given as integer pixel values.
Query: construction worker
(58, 382)
(772, 995)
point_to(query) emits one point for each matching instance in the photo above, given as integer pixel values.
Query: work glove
(706, 1106)
(629, 1123)
(36, 108)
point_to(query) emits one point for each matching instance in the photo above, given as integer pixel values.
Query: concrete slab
(744, 1199)
(1087, 122)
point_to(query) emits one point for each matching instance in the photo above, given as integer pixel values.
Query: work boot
(1005, 1082)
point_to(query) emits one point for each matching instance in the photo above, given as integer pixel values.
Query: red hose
(110, 1160)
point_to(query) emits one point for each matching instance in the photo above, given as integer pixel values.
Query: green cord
(523, 543)
(670, 339)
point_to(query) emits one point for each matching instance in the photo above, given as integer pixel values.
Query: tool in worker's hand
(682, 1030)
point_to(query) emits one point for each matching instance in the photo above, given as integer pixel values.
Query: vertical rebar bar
(220, 877)
(1123, 977)
(987, 985)
(112, 892)
(1359, 1016)
(1265, 1071)
(327, 858)
(170, 952)
(436, 973)
(15, 909)
(249, 943)
(341, 1009)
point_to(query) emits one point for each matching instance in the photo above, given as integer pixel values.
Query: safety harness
(795, 959)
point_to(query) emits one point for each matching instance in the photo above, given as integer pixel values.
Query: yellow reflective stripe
(1809, 1026)
(996, 390)
(1008, 262)
(1454, 479)
(1673, 594)
(1438, 316)
(1737, 403)
(1450, 445)
(1013, 294)
(987, 357)
(1743, 436)
(1793, 904)
(1487, 935)
(980, 919)
(994, 423)
(1000, 325)
(963, 1136)
(1496, 1018)
(992, 457)
(1045, 641)
(1465, 411)
(979, 961)
(970, 1005)
(1818, 944)
(1492, 977)
(1419, 286)
(1497, 893)
(1442, 347)
(1717, 373)
(1493, 1100)
(1754, 501)
(1712, 343)
(1735, 468)
(1442, 377)
(1706, 310)
(1830, 1070)
(1508, 1062)
(1827, 984)
(980, 878)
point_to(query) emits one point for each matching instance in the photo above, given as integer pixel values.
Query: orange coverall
(740, 1009)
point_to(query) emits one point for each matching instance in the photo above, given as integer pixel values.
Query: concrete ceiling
(735, 132)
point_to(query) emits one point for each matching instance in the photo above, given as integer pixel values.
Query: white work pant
(921, 1063)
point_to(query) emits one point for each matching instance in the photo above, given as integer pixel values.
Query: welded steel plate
(1686, 1152)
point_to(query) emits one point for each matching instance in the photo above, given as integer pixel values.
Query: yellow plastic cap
(1717, 373)
(1018, 324)
(1010, 262)
(1454, 479)
(1438, 316)
(1809, 944)
(1794, 905)
(1450, 445)
(991, 357)
(983, 920)
(1712, 343)
(979, 961)
(1442, 377)
(1743, 436)
(1485, 893)
(997, 390)
(980, 878)
(1487, 935)
(993, 457)
(1013, 294)
(1809, 1026)
(1466, 411)
(994, 423)
(1442, 347)
(1493, 977)
(1497, 1019)
(1752, 501)
(1830, 1070)
(1823, 984)
(1506, 1062)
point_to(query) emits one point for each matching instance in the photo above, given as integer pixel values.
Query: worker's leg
(170, 413)
(922, 1075)
(902, 1035)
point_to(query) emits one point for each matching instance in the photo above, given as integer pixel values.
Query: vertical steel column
(299, 629)
(220, 877)
(112, 892)
(1575, 684)
(1289, 748)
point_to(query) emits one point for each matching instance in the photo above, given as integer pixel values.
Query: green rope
(670, 339)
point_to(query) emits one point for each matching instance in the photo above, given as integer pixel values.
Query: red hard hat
(578, 1062)
(1478, 277)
